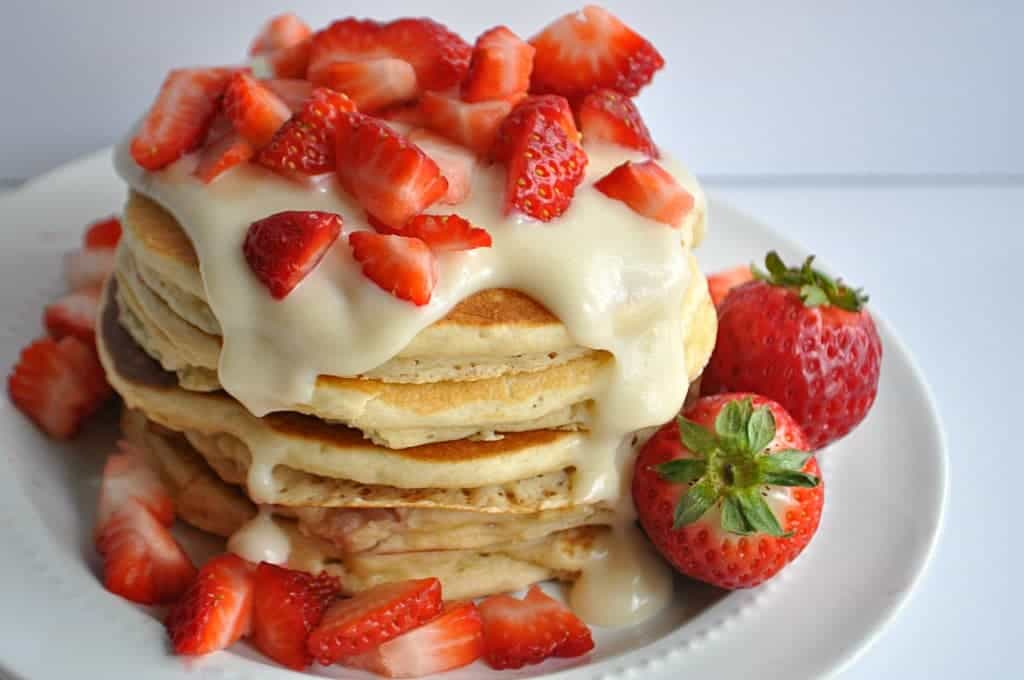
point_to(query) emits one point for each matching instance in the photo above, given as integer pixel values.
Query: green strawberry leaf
(761, 429)
(776, 267)
(789, 459)
(813, 296)
(694, 504)
(696, 437)
(788, 478)
(733, 520)
(682, 470)
(731, 423)
(815, 287)
(757, 513)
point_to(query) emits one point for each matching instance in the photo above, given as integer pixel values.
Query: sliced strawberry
(292, 91)
(358, 624)
(450, 641)
(592, 49)
(390, 176)
(74, 314)
(219, 156)
(287, 606)
(290, 62)
(446, 233)
(720, 283)
(649, 190)
(554, 109)
(282, 31)
(283, 248)
(255, 111)
(472, 125)
(499, 68)
(216, 610)
(372, 84)
(305, 145)
(103, 234)
(610, 116)
(88, 268)
(127, 479)
(456, 163)
(180, 116)
(402, 266)
(523, 632)
(408, 114)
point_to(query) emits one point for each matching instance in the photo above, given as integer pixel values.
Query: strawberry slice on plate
(499, 68)
(720, 283)
(280, 32)
(127, 479)
(253, 109)
(649, 190)
(402, 266)
(216, 610)
(446, 233)
(305, 145)
(294, 92)
(473, 125)
(372, 84)
(456, 163)
(73, 314)
(452, 640)
(283, 248)
(88, 268)
(105, 233)
(610, 116)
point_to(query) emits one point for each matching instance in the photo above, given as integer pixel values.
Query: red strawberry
(287, 606)
(499, 68)
(127, 480)
(283, 248)
(524, 632)
(446, 233)
(720, 283)
(649, 190)
(456, 163)
(591, 49)
(58, 384)
(290, 62)
(223, 154)
(372, 84)
(180, 116)
(103, 234)
(74, 314)
(610, 116)
(255, 111)
(401, 266)
(471, 125)
(390, 176)
(292, 91)
(358, 624)
(408, 114)
(803, 339)
(216, 610)
(282, 31)
(552, 108)
(450, 641)
(728, 493)
(88, 268)
(305, 145)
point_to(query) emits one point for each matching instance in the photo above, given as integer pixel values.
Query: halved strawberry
(287, 606)
(591, 49)
(450, 641)
(221, 155)
(216, 610)
(128, 479)
(103, 234)
(282, 31)
(74, 314)
(390, 176)
(649, 190)
(499, 68)
(58, 384)
(455, 162)
(554, 109)
(255, 111)
(294, 92)
(283, 248)
(446, 233)
(290, 62)
(472, 125)
(522, 632)
(610, 116)
(720, 283)
(88, 268)
(372, 84)
(358, 624)
(402, 266)
(305, 145)
(180, 116)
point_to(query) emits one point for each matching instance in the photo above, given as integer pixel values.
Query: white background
(884, 135)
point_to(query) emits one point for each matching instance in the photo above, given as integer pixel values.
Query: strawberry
(720, 283)
(290, 62)
(390, 176)
(525, 632)
(649, 190)
(305, 145)
(216, 610)
(283, 248)
(803, 339)
(281, 32)
(552, 108)
(223, 154)
(450, 641)
(287, 606)
(456, 163)
(610, 116)
(74, 314)
(58, 384)
(292, 91)
(471, 125)
(127, 479)
(499, 68)
(402, 266)
(408, 114)
(372, 84)
(255, 111)
(728, 493)
(358, 624)
(446, 233)
(591, 49)
(88, 268)
(103, 234)
(180, 116)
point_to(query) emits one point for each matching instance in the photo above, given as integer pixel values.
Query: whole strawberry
(804, 340)
(728, 493)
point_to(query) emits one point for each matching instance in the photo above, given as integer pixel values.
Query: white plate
(886, 484)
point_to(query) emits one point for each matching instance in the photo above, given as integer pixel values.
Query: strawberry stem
(815, 288)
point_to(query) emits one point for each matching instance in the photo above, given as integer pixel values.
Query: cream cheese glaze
(615, 279)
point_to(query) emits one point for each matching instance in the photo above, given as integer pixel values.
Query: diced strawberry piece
(88, 268)
(499, 68)
(455, 162)
(446, 233)
(282, 31)
(344, 40)
(58, 384)
(450, 641)
(180, 116)
(283, 248)
(358, 624)
(472, 125)
(74, 314)
(222, 155)
(103, 234)
(287, 606)
(408, 114)
(290, 62)
(591, 49)
(390, 176)
(255, 111)
(371, 84)
(127, 479)
(292, 91)
(402, 266)
(554, 109)
(720, 283)
(523, 632)
(305, 145)
(610, 116)
(649, 190)
(216, 610)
